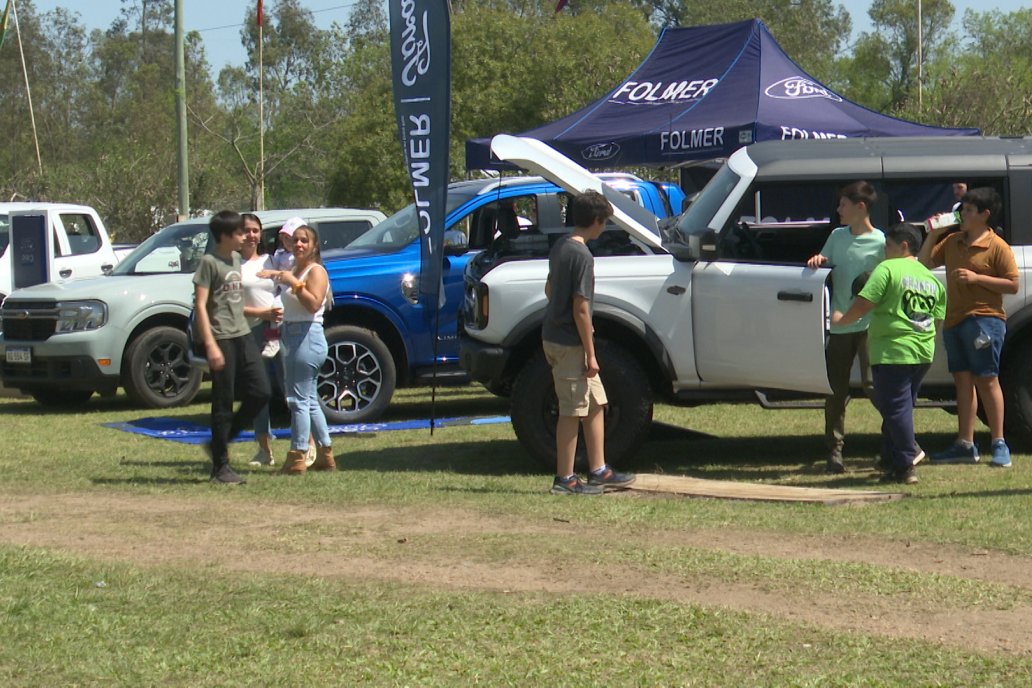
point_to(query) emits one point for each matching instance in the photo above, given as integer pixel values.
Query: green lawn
(81, 616)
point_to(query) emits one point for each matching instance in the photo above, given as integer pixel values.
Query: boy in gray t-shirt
(233, 356)
(569, 344)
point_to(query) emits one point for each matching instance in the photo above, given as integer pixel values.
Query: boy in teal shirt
(904, 300)
(850, 251)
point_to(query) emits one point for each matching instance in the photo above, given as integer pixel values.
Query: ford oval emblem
(600, 151)
(799, 88)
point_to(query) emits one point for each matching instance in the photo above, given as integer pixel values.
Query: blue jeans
(274, 370)
(963, 355)
(304, 350)
(895, 393)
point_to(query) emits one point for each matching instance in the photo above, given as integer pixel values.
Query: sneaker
(908, 477)
(834, 466)
(574, 486)
(608, 479)
(271, 348)
(311, 455)
(261, 458)
(227, 476)
(920, 456)
(956, 453)
(1001, 455)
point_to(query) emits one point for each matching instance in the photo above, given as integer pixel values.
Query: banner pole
(28, 92)
(261, 115)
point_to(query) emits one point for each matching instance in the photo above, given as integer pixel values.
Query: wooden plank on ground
(728, 489)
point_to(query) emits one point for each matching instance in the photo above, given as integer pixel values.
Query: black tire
(156, 372)
(534, 408)
(358, 379)
(53, 398)
(1016, 379)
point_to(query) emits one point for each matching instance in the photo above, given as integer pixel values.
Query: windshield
(697, 218)
(401, 228)
(176, 248)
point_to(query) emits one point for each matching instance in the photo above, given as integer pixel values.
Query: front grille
(28, 321)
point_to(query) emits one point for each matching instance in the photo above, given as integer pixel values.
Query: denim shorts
(962, 354)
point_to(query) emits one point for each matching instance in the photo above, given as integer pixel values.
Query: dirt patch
(337, 543)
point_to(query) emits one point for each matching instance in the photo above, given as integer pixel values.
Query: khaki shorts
(577, 394)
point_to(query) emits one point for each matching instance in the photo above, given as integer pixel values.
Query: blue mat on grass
(188, 432)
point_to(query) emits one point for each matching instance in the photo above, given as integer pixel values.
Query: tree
(987, 83)
(882, 73)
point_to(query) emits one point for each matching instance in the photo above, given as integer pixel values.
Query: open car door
(762, 326)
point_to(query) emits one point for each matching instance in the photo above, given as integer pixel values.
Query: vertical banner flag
(259, 14)
(3, 23)
(421, 70)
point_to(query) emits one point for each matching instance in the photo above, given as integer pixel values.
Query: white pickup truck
(79, 243)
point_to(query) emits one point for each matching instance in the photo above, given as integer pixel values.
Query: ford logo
(799, 88)
(601, 151)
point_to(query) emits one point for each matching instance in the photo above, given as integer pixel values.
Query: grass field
(443, 561)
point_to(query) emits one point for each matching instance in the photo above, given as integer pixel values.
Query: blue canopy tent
(702, 93)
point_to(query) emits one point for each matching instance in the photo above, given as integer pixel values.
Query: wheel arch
(630, 332)
(164, 319)
(385, 326)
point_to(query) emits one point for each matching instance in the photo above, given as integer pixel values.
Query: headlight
(76, 316)
(410, 287)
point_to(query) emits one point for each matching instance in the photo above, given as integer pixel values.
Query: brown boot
(295, 463)
(324, 460)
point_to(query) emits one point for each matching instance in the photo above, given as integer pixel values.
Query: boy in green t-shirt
(851, 251)
(904, 300)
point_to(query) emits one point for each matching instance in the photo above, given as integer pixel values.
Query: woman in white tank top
(305, 297)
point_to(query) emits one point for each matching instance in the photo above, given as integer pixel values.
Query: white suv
(63, 342)
(731, 312)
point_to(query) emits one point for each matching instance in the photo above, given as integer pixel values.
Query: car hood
(540, 158)
(174, 288)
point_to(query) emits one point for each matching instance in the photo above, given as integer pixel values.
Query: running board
(766, 403)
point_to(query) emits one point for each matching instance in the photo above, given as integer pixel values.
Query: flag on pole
(421, 70)
(259, 12)
(3, 23)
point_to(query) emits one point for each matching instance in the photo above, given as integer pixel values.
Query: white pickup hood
(539, 158)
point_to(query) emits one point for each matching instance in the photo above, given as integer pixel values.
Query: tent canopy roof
(702, 93)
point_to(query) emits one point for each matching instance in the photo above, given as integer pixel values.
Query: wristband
(297, 287)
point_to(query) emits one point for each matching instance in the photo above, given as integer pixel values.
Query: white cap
(290, 225)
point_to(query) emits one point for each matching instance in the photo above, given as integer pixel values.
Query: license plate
(19, 354)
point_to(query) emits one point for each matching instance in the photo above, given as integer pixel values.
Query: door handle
(802, 296)
(65, 273)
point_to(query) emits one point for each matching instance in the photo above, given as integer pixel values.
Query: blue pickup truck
(380, 335)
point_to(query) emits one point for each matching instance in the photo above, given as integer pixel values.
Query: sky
(219, 20)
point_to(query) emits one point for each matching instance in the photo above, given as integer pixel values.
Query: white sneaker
(271, 348)
(261, 458)
(310, 456)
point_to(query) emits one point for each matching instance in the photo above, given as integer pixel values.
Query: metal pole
(261, 118)
(920, 60)
(181, 134)
(28, 93)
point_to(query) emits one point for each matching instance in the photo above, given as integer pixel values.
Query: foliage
(105, 109)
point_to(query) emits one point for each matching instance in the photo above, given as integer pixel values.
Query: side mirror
(455, 243)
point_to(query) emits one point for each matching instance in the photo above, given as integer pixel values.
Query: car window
(340, 233)
(82, 234)
(781, 223)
